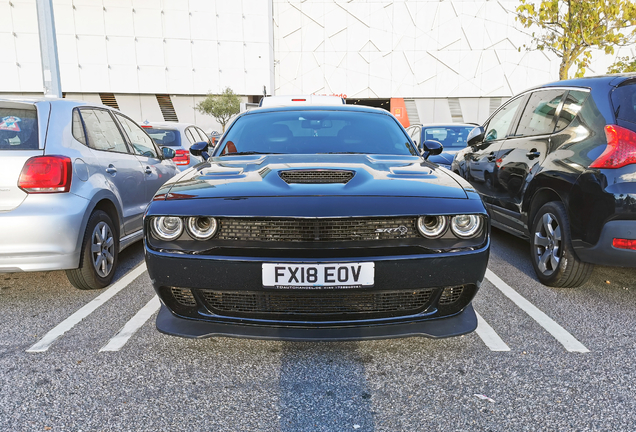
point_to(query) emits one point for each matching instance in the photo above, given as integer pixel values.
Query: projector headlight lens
(432, 226)
(167, 227)
(202, 227)
(466, 226)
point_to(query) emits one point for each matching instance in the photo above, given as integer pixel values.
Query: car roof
(354, 108)
(611, 80)
(296, 100)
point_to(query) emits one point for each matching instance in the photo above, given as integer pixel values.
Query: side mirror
(431, 148)
(167, 152)
(475, 136)
(200, 149)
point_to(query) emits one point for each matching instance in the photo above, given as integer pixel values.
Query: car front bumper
(395, 275)
(42, 233)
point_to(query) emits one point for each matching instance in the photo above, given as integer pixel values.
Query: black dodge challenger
(316, 223)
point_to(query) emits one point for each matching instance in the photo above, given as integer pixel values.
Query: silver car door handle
(148, 170)
(533, 154)
(111, 169)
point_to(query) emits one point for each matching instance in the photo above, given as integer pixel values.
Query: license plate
(316, 276)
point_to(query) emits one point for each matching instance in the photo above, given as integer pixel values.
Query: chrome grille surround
(311, 305)
(321, 230)
(316, 176)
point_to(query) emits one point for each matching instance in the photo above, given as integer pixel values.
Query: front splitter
(462, 323)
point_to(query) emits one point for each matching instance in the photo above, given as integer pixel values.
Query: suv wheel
(553, 257)
(100, 249)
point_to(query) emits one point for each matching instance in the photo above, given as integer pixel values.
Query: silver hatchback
(75, 180)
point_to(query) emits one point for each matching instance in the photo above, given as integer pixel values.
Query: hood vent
(316, 176)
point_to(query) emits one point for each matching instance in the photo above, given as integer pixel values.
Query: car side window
(78, 127)
(103, 133)
(499, 124)
(538, 115)
(571, 107)
(142, 144)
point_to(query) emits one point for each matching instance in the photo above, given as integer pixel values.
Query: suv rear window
(165, 137)
(624, 101)
(18, 129)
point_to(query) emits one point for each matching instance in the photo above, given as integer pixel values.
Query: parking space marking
(559, 333)
(489, 335)
(43, 344)
(131, 327)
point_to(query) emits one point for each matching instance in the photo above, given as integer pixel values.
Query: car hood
(260, 175)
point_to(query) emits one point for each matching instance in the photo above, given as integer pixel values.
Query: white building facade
(448, 60)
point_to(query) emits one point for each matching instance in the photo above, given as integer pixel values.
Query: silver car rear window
(18, 129)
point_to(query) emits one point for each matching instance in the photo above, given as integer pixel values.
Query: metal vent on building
(167, 109)
(108, 99)
(411, 111)
(494, 104)
(455, 110)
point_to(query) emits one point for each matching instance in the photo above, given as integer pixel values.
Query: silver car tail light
(46, 174)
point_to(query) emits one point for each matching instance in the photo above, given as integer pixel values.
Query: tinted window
(314, 131)
(142, 144)
(624, 101)
(165, 137)
(571, 107)
(102, 131)
(18, 129)
(500, 123)
(449, 136)
(538, 115)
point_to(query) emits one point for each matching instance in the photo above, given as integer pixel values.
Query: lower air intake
(451, 295)
(183, 296)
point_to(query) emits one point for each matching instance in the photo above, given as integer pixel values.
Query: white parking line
(489, 336)
(560, 334)
(131, 327)
(43, 344)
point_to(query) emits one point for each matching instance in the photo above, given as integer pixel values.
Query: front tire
(100, 249)
(553, 257)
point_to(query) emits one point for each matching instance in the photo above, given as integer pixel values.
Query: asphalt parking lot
(542, 359)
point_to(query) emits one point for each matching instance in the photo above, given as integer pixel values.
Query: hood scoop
(313, 176)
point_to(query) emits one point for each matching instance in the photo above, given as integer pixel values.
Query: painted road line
(560, 334)
(131, 327)
(43, 344)
(489, 336)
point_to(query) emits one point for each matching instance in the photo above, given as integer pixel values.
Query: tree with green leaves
(222, 107)
(571, 29)
(623, 64)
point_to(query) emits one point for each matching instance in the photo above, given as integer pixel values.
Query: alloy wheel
(103, 249)
(547, 244)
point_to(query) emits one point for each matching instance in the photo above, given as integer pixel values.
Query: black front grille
(184, 296)
(316, 176)
(311, 230)
(295, 304)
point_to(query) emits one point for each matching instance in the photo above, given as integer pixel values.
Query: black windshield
(316, 132)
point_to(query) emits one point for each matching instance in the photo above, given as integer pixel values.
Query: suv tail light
(46, 174)
(620, 150)
(182, 157)
(620, 243)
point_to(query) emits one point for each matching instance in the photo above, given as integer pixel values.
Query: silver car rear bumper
(43, 233)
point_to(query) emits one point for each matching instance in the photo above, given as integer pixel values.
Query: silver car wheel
(547, 244)
(103, 249)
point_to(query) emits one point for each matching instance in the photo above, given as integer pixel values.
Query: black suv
(557, 165)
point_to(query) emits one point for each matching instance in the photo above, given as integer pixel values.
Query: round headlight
(202, 228)
(466, 226)
(167, 227)
(432, 226)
